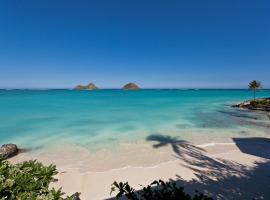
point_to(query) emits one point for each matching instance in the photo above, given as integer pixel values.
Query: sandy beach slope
(236, 170)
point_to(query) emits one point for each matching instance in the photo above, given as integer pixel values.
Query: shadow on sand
(220, 178)
(180, 147)
(260, 146)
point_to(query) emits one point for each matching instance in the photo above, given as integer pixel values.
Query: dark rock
(90, 86)
(262, 104)
(8, 150)
(245, 104)
(131, 86)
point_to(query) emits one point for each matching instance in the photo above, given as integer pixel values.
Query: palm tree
(254, 85)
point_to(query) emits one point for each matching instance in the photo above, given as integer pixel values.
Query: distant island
(90, 86)
(130, 86)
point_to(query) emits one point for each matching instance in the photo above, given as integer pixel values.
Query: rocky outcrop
(8, 150)
(131, 86)
(262, 104)
(90, 86)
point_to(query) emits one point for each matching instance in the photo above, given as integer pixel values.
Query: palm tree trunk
(254, 94)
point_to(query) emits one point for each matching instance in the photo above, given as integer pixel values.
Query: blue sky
(186, 44)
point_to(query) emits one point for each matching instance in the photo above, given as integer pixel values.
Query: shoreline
(156, 165)
(214, 161)
(30, 155)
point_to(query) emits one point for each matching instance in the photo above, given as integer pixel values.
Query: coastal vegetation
(29, 180)
(254, 86)
(155, 191)
(262, 104)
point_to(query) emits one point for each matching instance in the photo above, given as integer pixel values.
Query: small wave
(215, 144)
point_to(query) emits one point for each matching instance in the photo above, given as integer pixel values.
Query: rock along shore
(262, 104)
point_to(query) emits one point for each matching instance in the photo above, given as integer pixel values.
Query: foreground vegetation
(155, 191)
(28, 180)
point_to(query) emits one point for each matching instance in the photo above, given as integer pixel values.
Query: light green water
(104, 118)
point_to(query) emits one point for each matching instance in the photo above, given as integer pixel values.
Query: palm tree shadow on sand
(196, 159)
(177, 145)
(221, 178)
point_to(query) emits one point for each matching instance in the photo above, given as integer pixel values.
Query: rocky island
(262, 104)
(90, 86)
(130, 86)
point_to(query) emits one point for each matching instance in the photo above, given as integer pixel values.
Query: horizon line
(146, 88)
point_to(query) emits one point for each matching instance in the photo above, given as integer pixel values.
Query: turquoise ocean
(104, 118)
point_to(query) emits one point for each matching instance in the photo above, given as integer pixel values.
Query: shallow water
(102, 119)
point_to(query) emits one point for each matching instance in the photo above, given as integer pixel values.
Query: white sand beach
(236, 170)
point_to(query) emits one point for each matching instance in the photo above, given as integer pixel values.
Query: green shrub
(158, 190)
(260, 103)
(28, 180)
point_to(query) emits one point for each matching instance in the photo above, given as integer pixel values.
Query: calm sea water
(104, 118)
